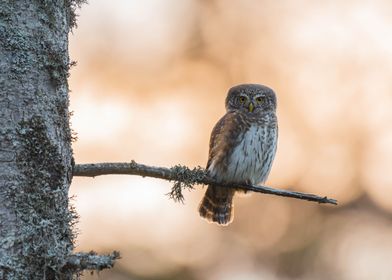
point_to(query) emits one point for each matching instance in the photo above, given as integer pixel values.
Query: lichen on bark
(72, 7)
(46, 234)
(36, 220)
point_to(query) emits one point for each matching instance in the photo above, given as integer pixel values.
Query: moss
(41, 204)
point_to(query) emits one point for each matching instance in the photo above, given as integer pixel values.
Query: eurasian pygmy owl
(242, 147)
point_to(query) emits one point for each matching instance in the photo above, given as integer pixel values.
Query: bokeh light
(149, 86)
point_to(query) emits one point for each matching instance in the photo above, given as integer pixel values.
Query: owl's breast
(251, 159)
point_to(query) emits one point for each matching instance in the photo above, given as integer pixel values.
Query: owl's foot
(242, 192)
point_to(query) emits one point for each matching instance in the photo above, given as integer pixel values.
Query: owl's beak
(251, 107)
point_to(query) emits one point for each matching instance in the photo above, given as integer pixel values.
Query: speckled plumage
(242, 147)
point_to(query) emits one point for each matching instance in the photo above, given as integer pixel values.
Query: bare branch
(90, 261)
(184, 178)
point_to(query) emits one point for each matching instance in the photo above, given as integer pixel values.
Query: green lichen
(72, 6)
(46, 14)
(27, 57)
(184, 178)
(17, 42)
(56, 64)
(46, 234)
(37, 48)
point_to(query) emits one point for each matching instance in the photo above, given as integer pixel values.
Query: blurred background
(149, 86)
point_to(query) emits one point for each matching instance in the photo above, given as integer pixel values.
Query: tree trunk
(36, 221)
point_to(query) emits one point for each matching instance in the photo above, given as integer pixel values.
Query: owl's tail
(217, 206)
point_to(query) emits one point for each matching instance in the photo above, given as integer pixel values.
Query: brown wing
(225, 137)
(217, 204)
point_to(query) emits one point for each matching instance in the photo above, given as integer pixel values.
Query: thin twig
(184, 178)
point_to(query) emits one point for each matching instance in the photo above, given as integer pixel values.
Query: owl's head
(251, 99)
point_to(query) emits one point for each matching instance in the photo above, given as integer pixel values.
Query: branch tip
(90, 261)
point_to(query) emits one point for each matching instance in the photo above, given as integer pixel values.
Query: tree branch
(90, 261)
(184, 177)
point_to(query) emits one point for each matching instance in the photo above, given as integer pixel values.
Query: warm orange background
(150, 85)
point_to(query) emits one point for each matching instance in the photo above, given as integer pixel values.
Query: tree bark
(36, 235)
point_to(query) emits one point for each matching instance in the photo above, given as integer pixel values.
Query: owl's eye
(259, 100)
(242, 99)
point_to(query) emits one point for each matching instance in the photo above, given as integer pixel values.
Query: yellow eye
(242, 99)
(259, 100)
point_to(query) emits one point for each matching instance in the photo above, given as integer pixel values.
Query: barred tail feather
(217, 206)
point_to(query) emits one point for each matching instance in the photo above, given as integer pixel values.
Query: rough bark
(36, 235)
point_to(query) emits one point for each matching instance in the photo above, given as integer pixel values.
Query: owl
(242, 148)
